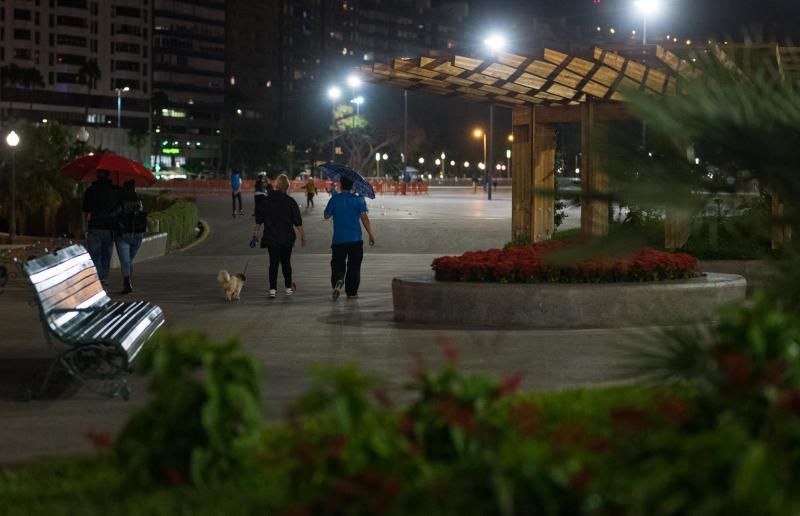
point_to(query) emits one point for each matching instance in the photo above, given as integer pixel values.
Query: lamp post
(119, 104)
(647, 7)
(333, 93)
(378, 159)
(13, 140)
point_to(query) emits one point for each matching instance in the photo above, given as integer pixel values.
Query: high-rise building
(60, 39)
(188, 83)
(296, 48)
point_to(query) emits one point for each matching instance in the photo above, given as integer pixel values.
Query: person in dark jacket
(280, 216)
(101, 204)
(132, 224)
(261, 191)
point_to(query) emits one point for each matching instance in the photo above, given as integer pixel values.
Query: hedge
(179, 221)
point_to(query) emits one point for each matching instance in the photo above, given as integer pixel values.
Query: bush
(203, 420)
(541, 263)
(179, 221)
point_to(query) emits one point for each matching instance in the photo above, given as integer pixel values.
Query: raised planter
(419, 298)
(757, 272)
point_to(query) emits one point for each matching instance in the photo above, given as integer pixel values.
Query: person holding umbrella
(101, 203)
(131, 225)
(349, 212)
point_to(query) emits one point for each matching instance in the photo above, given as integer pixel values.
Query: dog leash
(246, 265)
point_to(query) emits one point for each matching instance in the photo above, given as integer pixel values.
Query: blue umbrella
(335, 171)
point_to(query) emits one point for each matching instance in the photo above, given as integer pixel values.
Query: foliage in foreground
(723, 440)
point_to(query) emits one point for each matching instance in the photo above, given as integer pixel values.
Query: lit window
(233, 81)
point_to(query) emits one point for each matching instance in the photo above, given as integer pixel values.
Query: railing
(223, 186)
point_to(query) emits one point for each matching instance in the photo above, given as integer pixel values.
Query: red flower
(456, 414)
(674, 410)
(773, 372)
(510, 384)
(335, 446)
(174, 477)
(737, 367)
(525, 417)
(789, 401)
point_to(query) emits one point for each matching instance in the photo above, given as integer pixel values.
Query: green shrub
(203, 419)
(179, 221)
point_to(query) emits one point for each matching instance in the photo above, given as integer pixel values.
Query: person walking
(132, 223)
(348, 211)
(280, 216)
(261, 191)
(236, 192)
(311, 191)
(101, 204)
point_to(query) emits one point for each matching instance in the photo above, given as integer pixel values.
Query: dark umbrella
(84, 169)
(335, 171)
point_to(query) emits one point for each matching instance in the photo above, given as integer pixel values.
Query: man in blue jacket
(236, 192)
(348, 211)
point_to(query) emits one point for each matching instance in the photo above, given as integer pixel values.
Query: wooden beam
(522, 124)
(594, 211)
(542, 208)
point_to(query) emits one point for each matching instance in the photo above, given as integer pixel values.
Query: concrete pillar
(543, 202)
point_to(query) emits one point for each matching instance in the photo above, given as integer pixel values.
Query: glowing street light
(421, 161)
(438, 162)
(334, 93)
(495, 43)
(353, 81)
(466, 164)
(647, 8)
(452, 163)
(479, 133)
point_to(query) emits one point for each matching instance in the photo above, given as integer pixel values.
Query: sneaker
(272, 293)
(234, 214)
(289, 291)
(337, 290)
(354, 296)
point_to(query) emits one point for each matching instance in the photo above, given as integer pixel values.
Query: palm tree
(89, 74)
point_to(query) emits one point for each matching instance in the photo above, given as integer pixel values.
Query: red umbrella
(84, 170)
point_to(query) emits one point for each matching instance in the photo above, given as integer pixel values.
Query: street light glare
(648, 6)
(477, 133)
(466, 164)
(334, 93)
(12, 139)
(495, 43)
(358, 100)
(353, 81)
(421, 161)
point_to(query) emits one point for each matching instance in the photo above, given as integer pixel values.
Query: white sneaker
(289, 291)
(337, 290)
(272, 293)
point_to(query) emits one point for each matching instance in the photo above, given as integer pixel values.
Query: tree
(137, 139)
(89, 73)
(359, 140)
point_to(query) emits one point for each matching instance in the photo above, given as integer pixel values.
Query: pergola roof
(555, 78)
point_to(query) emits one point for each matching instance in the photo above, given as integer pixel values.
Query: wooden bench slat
(52, 275)
(74, 292)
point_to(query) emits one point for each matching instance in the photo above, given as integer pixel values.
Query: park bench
(104, 337)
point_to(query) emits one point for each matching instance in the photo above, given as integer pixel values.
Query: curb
(206, 232)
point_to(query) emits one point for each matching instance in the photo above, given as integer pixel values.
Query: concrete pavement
(290, 335)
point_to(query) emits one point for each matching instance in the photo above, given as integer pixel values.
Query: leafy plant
(203, 420)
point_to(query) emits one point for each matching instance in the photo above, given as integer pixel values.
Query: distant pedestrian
(131, 226)
(101, 204)
(280, 216)
(311, 191)
(261, 191)
(474, 184)
(348, 211)
(236, 192)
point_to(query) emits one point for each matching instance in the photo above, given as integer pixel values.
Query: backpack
(132, 218)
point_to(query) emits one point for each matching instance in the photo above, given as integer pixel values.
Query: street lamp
(119, 104)
(83, 135)
(421, 161)
(495, 43)
(13, 140)
(479, 133)
(647, 8)
(333, 93)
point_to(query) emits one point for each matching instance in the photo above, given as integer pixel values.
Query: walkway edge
(203, 238)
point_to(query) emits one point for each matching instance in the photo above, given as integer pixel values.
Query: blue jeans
(127, 247)
(101, 244)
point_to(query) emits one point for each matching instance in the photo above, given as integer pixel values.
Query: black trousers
(309, 199)
(234, 196)
(346, 265)
(280, 255)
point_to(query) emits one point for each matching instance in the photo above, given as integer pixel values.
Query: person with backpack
(236, 192)
(131, 226)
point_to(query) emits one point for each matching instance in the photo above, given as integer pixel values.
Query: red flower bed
(530, 264)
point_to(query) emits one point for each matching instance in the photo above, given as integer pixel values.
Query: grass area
(94, 486)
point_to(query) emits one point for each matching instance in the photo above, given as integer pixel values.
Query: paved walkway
(290, 335)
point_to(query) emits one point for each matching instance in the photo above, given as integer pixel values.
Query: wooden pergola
(553, 88)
